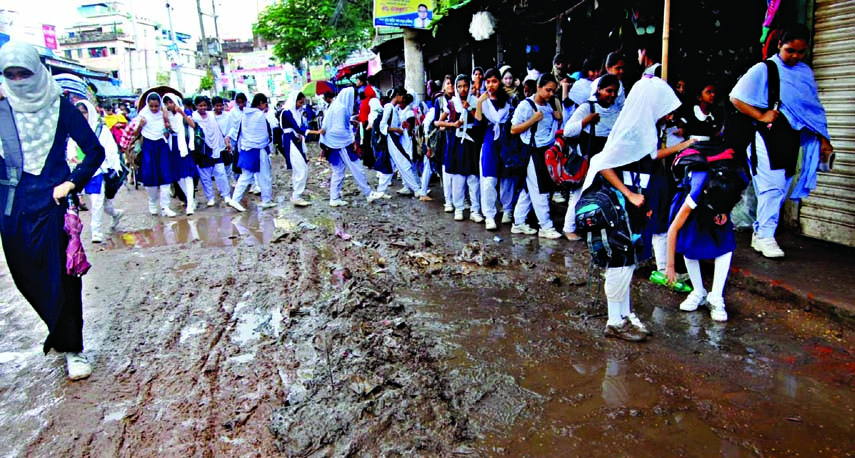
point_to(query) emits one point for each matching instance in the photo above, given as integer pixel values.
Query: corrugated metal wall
(829, 213)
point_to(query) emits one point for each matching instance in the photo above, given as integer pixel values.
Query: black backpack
(515, 153)
(603, 221)
(739, 129)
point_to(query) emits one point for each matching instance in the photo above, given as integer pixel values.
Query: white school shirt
(545, 135)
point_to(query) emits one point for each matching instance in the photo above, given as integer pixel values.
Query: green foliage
(311, 29)
(207, 82)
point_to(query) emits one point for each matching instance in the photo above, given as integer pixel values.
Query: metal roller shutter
(829, 212)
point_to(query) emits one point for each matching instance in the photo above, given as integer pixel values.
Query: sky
(235, 16)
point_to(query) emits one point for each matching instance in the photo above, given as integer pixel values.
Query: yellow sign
(403, 13)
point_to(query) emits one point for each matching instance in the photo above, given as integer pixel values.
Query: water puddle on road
(682, 394)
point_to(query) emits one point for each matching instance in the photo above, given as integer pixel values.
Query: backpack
(515, 153)
(566, 168)
(378, 140)
(603, 221)
(739, 129)
(699, 157)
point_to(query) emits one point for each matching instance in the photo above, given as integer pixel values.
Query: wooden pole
(666, 37)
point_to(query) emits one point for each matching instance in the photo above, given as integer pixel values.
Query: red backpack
(566, 168)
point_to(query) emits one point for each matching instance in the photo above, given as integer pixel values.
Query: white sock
(722, 267)
(694, 268)
(660, 251)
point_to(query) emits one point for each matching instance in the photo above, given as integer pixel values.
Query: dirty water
(269, 333)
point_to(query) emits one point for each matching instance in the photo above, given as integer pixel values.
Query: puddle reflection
(214, 230)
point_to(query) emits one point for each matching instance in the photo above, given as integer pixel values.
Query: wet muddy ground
(266, 334)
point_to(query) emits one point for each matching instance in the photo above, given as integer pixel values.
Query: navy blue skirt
(156, 166)
(182, 167)
(250, 160)
(94, 185)
(382, 159)
(463, 157)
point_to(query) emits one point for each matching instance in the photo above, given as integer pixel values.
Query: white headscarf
(291, 105)
(337, 121)
(634, 134)
(105, 138)
(214, 136)
(154, 125)
(35, 104)
(461, 131)
(176, 122)
(376, 110)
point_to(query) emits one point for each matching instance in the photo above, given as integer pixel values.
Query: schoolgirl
(534, 121)
(181, 143)
(337, 135)
(701, 119)
(98, 203)
(445, 139)
(591, 128)
(614, 65)
(701, 229)
(294, 129)
(510, 83)
(391, 127)
(581, 90)
(156, 172)
(407, 115)
(494, 107)
(462, 156)
(433, 154)
(252, 137)
(210, 160)
(626, 163)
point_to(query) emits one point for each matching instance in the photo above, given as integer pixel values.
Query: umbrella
(76, 264)
(159, 90)
(317, 88)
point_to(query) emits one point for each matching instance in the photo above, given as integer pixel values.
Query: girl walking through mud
(156, 172)
(294, 129)
(35, 180)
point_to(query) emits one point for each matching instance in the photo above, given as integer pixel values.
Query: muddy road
(272, 333)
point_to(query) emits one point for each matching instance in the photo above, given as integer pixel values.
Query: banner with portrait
(416, 14)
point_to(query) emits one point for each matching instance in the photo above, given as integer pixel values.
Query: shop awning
(107, 89)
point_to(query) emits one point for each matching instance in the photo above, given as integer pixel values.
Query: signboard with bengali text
(403, 13)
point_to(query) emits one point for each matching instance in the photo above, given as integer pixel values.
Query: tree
(207, 82)
(311, 29)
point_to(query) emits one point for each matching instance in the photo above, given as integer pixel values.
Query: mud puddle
(698, 388)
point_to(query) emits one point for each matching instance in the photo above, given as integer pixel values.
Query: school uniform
(251, 134)
(339, 138)
(156, 171)
(463, 157)
(210, 161)
(802, 110)
(293, 132)
(397, 153)
(538, 183)
(493, 172)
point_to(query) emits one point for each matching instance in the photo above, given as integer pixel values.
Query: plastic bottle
(659, 278)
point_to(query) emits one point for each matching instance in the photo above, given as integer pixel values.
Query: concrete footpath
(814, 274)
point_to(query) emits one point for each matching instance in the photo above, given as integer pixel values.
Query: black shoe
(626, 331)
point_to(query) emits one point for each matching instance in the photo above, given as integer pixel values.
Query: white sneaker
(507, 218)
(374, 196)
(191, 208)
(633, 318)
(152, 209)
(117, 218)
(166, 211)
(300, 202)
(458, 215)
(523, 229)
(696, 298)
(558, 198)
(448, 208)
(270, 204)
(550, 233)
(256, 190)
(386, 196)
(338, 203)
(78, 366)
(767, 246)
(405, 191)
(211, 203)
(236, 205)
(97, 238)
(476, 217)
(490, 224)
(717, 312)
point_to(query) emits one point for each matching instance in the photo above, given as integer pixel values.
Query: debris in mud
(340, 233)
(474, 253)
(425, 260)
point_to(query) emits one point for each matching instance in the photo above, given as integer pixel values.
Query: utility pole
(205, 50)
(414, 63)
(217, 34)
(178, 76)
